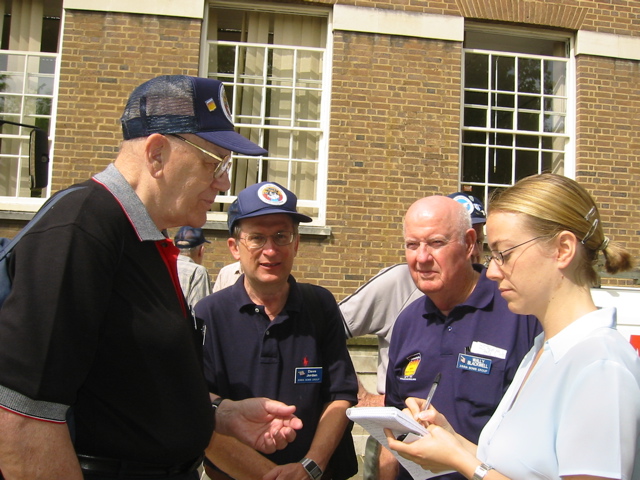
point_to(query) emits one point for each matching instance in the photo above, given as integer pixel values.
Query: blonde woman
(573, 409)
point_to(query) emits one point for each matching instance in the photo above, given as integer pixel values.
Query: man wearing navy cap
(193, 276)
(100, 333)
(268, 335)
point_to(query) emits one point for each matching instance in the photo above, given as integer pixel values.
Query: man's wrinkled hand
(263, 424)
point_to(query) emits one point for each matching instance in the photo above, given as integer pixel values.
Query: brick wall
(395, 115)
(608, 146)
(105, 56)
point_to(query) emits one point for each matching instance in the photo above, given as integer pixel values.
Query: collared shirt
(373, 308)
(194, 280)
(96, 320)
(578, 412)
(248, 355)
(227, 276)
(477, 348)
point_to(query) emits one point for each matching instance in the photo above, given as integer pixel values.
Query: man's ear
(567, 245)
(234, 247)
(156, 152)
(470, 238)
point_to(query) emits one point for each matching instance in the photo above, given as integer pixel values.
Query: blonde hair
(553, 203)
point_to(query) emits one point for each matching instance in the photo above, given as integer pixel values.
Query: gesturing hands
(263, 424)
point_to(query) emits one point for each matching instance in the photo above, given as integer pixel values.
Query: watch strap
(481, 471)
(312, 468)
(215, 404)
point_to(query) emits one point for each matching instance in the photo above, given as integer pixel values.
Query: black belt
(114, 467)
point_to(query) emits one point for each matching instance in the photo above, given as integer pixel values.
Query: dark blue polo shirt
(247, 355)
(425, 343)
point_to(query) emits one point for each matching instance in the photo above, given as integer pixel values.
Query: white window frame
(16, 203)
(323, 128)
(570, 118)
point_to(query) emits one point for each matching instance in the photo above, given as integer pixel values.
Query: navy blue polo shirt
(247, 355)
(474, 376)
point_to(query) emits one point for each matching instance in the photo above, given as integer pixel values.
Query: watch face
(312, 468)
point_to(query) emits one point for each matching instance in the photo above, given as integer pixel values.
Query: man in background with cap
(99, 333)
(193, 276)
(461, 329)
(272, 336)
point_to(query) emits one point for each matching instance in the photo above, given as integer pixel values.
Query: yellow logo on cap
(211, 105)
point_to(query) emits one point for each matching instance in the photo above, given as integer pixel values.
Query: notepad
(375, 419)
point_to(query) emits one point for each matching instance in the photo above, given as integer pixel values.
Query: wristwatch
(481, 471)
(312, 468)
(215, 404)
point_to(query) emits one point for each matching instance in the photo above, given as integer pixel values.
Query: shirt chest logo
(409, 372)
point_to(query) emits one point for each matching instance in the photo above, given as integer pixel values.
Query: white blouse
(579, 411)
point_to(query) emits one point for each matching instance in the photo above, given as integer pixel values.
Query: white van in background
(627, 302)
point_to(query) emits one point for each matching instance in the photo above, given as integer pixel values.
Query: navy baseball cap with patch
(472, 204)
(189, 237)
(183, 104)
(264, 198)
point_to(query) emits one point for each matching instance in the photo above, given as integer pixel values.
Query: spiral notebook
(375, 419)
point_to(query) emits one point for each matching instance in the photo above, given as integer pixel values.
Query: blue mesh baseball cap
(473, 205)
(183, 104)
(264, 198)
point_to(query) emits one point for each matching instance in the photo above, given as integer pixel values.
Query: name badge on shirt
(308, 375)
(474, 364)
(480, 348)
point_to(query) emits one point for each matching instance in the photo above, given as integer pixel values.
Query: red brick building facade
(396, 116)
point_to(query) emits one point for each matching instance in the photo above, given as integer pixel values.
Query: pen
(431, 392)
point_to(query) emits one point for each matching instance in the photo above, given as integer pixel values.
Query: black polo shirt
(247, 355)
(96, 320)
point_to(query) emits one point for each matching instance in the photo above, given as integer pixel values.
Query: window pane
(502, 119)
(504, 139)
(473, 164)
(526, 163)
(475, 71)
(472, 136)
(528, 121)
(504, 71)
(528, 102)
(527, 141)
(529, 75)
(554, 77)
(554, 123)
(475, 117)
(500, 162)
(475, 98)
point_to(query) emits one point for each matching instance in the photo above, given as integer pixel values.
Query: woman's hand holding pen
(442, 450)
(415, 408)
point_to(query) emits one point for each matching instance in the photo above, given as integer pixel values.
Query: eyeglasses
(498, 257)
(223, 165)
(254, 241)
(432, 244)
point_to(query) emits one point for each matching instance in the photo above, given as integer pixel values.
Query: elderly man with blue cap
(270, 336)
(100, 357)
